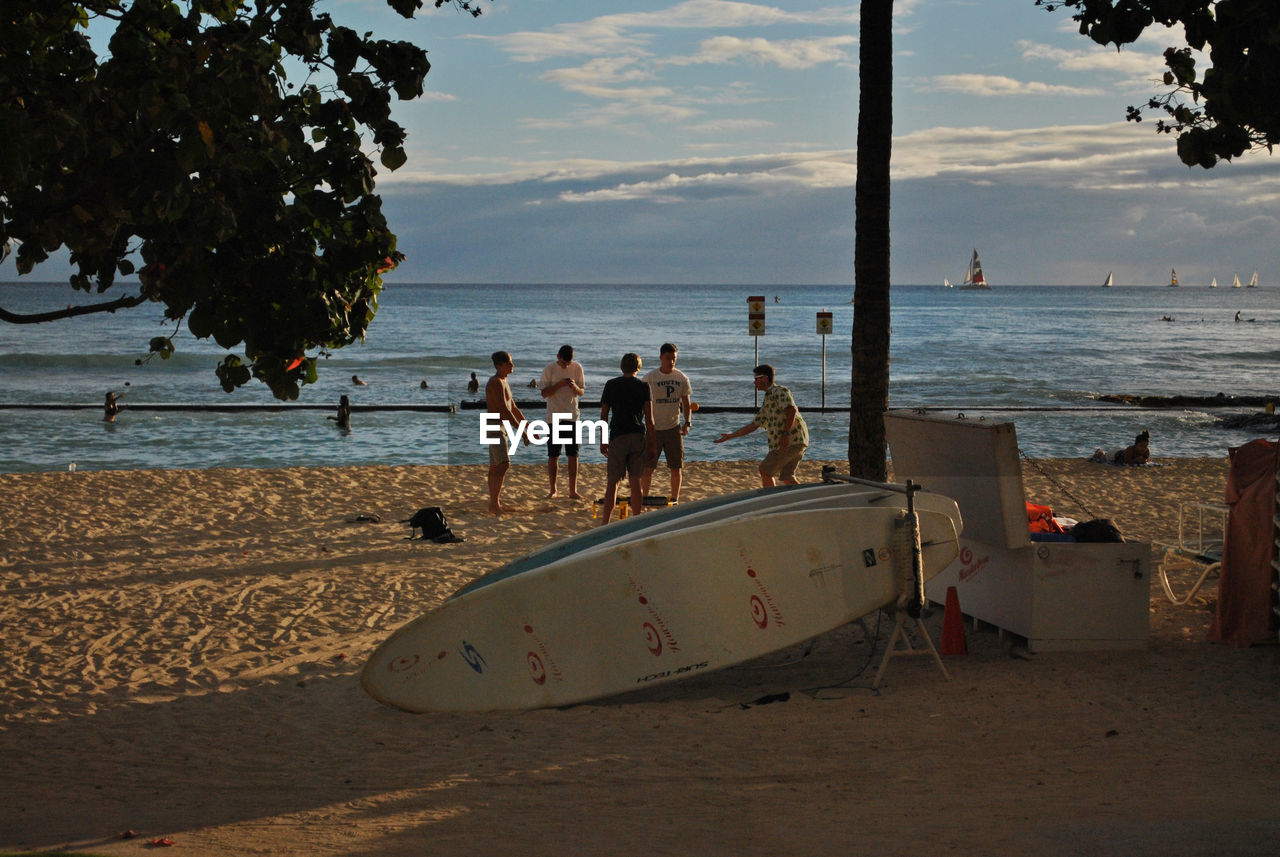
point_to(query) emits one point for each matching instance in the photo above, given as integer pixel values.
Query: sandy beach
(182, 651)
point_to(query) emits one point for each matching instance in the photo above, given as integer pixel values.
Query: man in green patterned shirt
(786, 429)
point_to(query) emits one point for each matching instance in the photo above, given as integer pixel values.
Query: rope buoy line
(480, 405)
(214, 407)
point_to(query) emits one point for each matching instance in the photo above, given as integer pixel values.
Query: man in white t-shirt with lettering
(669, 389)
(562, 383)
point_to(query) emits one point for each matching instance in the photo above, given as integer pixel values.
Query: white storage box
(1058, 595)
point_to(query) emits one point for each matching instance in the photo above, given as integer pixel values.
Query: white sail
(1253, 282)
(1214, 284)
(1235, 281)
(1108, 282)
(1173, 277)
(946, 284)
(974, 278)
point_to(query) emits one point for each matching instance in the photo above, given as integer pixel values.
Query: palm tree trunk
(869, 394)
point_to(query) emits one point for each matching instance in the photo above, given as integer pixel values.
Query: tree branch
(123, 302)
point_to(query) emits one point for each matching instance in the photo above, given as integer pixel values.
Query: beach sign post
(755, 326)
(824, 328)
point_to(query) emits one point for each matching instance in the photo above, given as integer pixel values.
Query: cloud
(630, 78)
(600, 71)
(727, 126)
(1072, 154)
(1000, 86)
(789, 54)
(633, 31)
(668, 189)
(1112, 158)
(1134, 64)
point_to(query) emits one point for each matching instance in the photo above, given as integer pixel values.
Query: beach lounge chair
(1199, 547)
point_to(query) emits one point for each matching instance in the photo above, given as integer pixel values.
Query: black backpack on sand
(430, 519)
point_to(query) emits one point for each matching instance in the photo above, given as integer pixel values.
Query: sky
(709, 141)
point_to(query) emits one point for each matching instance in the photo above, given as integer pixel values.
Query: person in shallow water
(1134, 455)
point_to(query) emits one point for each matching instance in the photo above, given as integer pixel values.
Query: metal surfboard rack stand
(909, 563)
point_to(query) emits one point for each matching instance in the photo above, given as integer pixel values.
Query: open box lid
(973, 462)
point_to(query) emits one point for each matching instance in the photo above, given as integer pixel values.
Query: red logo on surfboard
(762, 604)
(657, 635)
(651, 639)
(537, 667)
(402, 663)
(537, 671)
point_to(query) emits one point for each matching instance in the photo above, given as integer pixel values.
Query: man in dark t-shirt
(626, 406)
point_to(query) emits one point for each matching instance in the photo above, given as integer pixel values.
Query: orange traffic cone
(953, 626)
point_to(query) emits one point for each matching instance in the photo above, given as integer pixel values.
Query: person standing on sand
(787, 431)
(562, 384)
(498, 399)
(631, 435)
(670, 389)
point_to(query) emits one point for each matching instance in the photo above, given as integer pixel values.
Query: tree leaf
(394, 159)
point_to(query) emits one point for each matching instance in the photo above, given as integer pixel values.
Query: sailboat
(946, 284)
(1214, 284)
(1173, 278)
(973, 278)
(1235, 281)
(1253, 283)
(1108, 282)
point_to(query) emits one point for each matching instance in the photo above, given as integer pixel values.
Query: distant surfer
(111, 407)
(1237, 315)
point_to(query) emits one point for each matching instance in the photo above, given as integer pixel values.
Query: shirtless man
(498, 399)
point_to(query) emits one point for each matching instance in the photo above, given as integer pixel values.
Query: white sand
(182, 652)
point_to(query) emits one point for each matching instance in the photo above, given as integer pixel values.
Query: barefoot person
(781, 421)
(670, 389)
(498, 399)
(631, 436)
(561, 384)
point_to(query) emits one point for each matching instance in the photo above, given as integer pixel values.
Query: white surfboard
(659, 607)
(719, 508)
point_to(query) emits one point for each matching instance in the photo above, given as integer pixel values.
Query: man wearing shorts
(561, 384)
(626, 406)
(670, 390)
(780, 418)
(498, 400)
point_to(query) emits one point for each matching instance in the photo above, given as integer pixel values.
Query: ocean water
(1036, 355)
